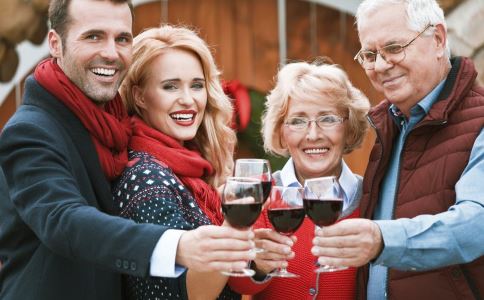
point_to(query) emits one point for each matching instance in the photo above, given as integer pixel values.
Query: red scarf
(109, 128)
(188, 165)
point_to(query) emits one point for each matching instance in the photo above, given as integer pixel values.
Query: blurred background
(250, 39)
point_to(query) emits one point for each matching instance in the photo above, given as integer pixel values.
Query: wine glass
(255, 168)
(323, 203)
(241, 205)
(286, 213)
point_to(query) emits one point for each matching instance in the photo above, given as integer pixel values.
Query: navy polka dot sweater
(149, 192)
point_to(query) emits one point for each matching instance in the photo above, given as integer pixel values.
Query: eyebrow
(391, 42)
(93, 31)
(304, 114)
(126, 34)
(102, 32)
(178, 79)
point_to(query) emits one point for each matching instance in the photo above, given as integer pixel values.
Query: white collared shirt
(350, 183)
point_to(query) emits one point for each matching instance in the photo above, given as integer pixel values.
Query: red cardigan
(335, 285)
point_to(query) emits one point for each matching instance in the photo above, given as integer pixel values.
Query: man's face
(410, 80)
(97, 47)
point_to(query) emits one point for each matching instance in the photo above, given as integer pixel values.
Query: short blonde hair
(302, 80)
(215, 139)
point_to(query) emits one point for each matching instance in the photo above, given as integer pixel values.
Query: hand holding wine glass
(286, 213)
(241, 206)
(323, 203)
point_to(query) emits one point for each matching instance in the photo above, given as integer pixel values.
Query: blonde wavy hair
(317, 80)
(215, 139)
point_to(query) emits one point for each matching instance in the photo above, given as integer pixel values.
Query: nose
(110, 51)
(312, 131)
(381, 64)
(186, 97)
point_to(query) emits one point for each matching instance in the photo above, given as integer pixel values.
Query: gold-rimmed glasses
(392, 54)
(323, 122)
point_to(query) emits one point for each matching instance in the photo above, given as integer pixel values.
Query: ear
(138, 97)
(55, 44)
(440, 38)
(282, 141)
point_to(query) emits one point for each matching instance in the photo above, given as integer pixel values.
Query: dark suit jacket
(58, 238)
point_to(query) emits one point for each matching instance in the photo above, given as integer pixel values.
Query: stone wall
(466, 33)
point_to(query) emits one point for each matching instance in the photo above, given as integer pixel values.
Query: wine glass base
(241, 273)
(283, 274)
(324, 269)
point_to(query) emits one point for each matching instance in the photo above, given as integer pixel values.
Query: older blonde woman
(314, 116)
(181, 149)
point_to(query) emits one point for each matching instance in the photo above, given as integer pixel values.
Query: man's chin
(101, 99)
(101, 96)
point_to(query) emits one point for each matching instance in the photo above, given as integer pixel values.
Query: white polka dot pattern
(148, 192)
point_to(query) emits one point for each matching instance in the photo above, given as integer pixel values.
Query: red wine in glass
(241, 205)
(241, 215)
(266, 189)
(323, 212)
(286, 220)
(286, 213)
(323, 203)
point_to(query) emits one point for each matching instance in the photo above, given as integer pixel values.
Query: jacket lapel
(80, 138)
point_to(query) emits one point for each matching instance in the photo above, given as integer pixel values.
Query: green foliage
(251, 138)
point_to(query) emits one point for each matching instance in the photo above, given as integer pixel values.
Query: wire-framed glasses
(392, 54)
(323, 122)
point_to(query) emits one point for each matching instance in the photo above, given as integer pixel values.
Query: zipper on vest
(372, 191)
(380, 158)
(378, 136)
(397, 185)
(430, 123)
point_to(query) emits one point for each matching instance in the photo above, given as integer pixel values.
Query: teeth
(182, 117)
(316, 151)
(103, 71)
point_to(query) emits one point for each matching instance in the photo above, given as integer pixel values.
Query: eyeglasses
(323, 122)
(392, 54)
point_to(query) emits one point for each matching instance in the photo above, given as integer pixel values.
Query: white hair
(420, 13)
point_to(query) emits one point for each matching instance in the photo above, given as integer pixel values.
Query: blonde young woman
(314, 116)
(181, 149)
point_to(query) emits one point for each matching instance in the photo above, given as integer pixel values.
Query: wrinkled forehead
(383, 26)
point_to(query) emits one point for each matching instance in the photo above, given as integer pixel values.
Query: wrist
(379, 242)
(260, 275)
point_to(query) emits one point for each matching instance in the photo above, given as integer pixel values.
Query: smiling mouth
(316, 150)
(182, 117)
(390, 80)
(103, 72)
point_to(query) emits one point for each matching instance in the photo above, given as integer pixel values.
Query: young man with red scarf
(60, 150)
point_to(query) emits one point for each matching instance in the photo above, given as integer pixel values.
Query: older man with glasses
(422, 187)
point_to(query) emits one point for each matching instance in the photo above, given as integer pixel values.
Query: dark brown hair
(59, 17)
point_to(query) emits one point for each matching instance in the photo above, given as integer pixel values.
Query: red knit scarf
(109, 128)
(188, 165)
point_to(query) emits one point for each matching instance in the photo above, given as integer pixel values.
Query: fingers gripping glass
(323, 203)
(323, 122)
(241, 205)
(286, 214)
(392, 54)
